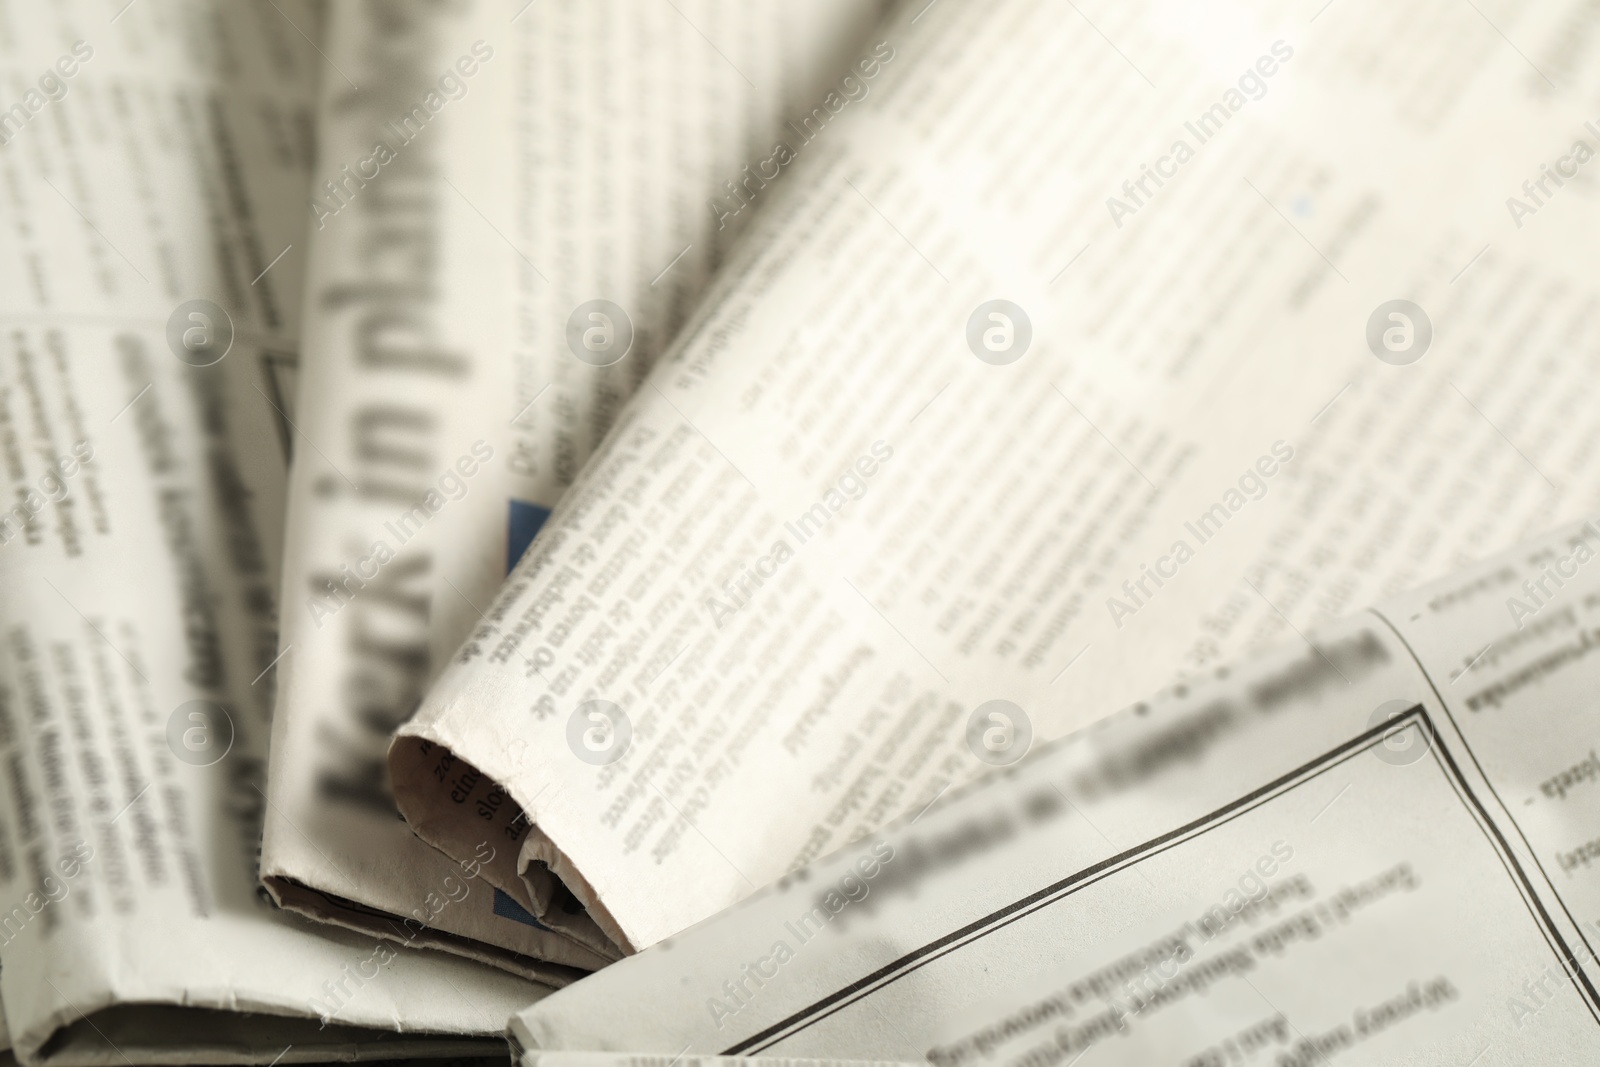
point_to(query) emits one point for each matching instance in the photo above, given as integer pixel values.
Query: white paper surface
(826, 531)
(1357, 846)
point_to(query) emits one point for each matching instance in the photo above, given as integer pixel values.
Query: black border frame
(1041, 898)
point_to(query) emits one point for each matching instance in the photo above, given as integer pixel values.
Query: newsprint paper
(156, 162)
(980, 411)
(1375, 845)
(502, 164)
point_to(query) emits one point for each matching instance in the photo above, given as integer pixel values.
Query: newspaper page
(1108, 429)
(573, 158)
(156, 159)
(1375, 846)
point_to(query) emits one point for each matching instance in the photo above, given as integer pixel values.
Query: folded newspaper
(157, 161)
(1037, 381)
(1024, 361)
(177, 145)
(503, 163)
(1377, 843)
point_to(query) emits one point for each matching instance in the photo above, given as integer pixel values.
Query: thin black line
(1524, 888)
(1079, 812)
(1027, 905)
(1077, 880)
(1444, 706)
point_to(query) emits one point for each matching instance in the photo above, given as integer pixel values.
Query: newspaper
(981, 411)
(156, 157)
(1375, 845)
(572, 158)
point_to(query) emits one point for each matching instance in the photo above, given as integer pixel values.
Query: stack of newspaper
(625, 526)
